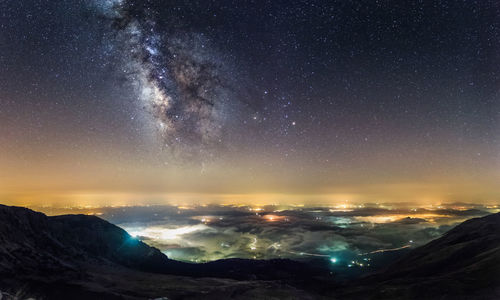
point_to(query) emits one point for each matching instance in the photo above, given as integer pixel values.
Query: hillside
(87, 255)
(462, 264)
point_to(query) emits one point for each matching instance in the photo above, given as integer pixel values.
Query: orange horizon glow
(336, 202)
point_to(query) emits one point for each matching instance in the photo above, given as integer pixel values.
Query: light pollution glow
(98, 175)
(339, 202)
(78, 179)
(355, 231)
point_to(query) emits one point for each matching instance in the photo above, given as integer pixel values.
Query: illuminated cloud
(215, 232)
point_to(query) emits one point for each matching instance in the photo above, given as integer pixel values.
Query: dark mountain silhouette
(462, 264)
(40, 251)
(87, 257)
(33, 242)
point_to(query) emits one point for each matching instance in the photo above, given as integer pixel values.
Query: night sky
(341, 100)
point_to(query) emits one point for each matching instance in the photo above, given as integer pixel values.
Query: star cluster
(176, 75)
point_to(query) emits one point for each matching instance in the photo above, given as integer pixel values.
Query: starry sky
(111, 101)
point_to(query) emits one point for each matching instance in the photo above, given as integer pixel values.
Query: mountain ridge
(41, 251)
(462, 264)
(87, 256)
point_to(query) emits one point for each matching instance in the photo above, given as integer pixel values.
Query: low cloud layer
(216, 232)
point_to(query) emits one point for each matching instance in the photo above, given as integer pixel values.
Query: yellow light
(274, 218)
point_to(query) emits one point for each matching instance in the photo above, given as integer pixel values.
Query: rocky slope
(84, 257)
(65, 254)
(32, 243)
(462, 264)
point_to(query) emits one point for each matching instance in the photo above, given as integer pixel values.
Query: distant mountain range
(82, 257)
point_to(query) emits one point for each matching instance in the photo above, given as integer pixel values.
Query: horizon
(347, 238)
(249, 149)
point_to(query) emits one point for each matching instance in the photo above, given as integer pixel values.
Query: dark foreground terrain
(82, 257)
(462, 264)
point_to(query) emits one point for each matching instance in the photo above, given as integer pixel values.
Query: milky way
(371, 100)
(176, 75)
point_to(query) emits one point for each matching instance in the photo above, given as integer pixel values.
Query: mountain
(82, 257)
(78, 253)
(33, 242)
(462, 264)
